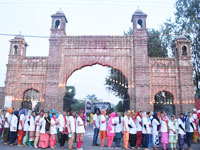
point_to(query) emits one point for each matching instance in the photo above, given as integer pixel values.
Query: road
(87, 144)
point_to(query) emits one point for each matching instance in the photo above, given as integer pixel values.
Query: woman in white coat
(26, 127)
(53, 131)
(31, 129)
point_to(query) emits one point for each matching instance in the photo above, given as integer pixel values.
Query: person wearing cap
(7, 125)
(173, 132)
(195, 121)
(13, 127)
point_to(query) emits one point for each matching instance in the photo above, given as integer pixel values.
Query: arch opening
(31, 100)
(184, 51)
(164, 101)
(94, 82)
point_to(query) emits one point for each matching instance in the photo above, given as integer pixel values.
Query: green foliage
(68, 98)
(92, 97)
(187, 22)
(117, 83)
(157, 46)
(78, 105)
(119, 107)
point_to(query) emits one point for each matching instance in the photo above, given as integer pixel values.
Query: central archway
(164, 101)
(97, 79)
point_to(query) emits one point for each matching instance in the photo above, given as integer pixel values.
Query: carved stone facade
(146, 76)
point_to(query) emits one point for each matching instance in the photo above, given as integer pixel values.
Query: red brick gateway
(147, 77)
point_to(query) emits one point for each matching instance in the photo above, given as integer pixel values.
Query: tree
(119, 107)
(92, 97)
(68, 98)
(78, 105)
(187, 22)
(157, 47)
(117, 84)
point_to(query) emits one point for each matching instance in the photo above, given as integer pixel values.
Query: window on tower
(139, 24)
(184, 51)
(15, 49)
(57, 24)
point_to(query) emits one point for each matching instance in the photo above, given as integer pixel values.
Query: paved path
(87, 144)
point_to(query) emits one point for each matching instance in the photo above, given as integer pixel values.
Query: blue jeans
(96, 133)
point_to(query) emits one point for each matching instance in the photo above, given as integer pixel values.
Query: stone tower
(140, 64)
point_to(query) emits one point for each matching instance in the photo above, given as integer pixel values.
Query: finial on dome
(60, 11)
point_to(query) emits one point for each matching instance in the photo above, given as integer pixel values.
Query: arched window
(15, 49)
(164, 101)
(57, 24)
(139, 24)
(31, 100)
(184, 51)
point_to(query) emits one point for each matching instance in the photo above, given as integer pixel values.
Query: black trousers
(189, 136)
(62, 139)
(145, 140)
(13, 137)
(132, 139)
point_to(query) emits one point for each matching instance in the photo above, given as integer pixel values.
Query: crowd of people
(140, 130)
(43, 129)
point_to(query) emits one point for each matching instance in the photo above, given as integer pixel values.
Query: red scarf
(138, 114)
(65, 119)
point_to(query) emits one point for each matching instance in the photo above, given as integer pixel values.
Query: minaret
(58, 24)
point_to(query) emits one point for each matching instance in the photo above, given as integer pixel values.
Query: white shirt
(38, 123)
(53, 127)
(102, 125)
(62, 122)
(21, 119)
(80, 129)
(119, 126)
(97, 121)
(8, 116)
(43, 125)
(72, 123)
(138, 121)
(126, 128)
(132, 130)
(32, 124)
(164, 127)
(180, 131)
(155, 124)
(26, 125)
(145, 122)
(13, 124)
(191, 129)
(172, 126)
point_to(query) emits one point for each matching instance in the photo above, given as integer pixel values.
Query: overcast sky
(85, 17)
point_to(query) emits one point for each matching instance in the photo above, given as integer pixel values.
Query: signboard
(8, 101)
(88, 106)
